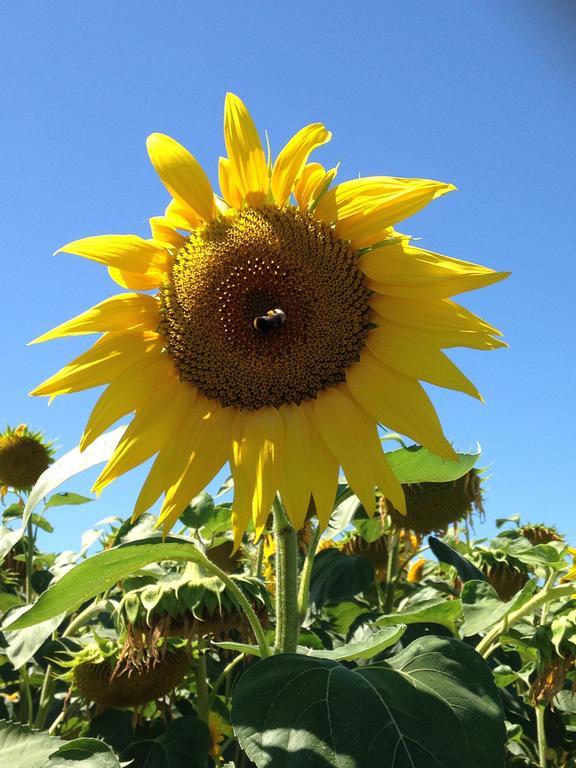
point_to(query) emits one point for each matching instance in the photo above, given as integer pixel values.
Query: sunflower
(24, 456)
(288, 320)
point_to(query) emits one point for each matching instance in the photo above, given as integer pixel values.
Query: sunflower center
(264, 308)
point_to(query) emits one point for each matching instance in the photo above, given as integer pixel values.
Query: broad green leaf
(418, 465)
(8, 600)
(482, 608)
(198, 511)
(82, 753)
(184, 744)
(370, 528)
(444, 612)
(347, 506)
(362, 649)
(66, 499)
(101, 571)
(434, 705)
(336, 576)
(23, 644)
(464, 568)
(66, 467)
(22, 748)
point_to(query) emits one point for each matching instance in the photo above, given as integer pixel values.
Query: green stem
(45, 698)
(259, 559)
(202, 701)
(287, 628)
(548, 593)
(541, 731)
(82, 617)
(29, 559)
(223, 676)
(391, 571)
(26, 708)
(259, 633)
(306, 575)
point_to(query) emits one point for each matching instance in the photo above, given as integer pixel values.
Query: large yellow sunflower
(288, 320)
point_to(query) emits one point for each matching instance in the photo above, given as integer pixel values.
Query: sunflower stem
(391, 571)
(29, 559)
(541, 732)
(202, 700)
(306, 575)
(287, 625)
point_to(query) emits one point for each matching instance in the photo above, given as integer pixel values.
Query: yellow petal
(247, 160)
(256, 461)
(126, 393)
(165, 232)
(136, 281)
(416, 358)
(181, 174)
(207, 453)
(352, 437)
(127, 252)
(362, 209)
(397, 402)
(446, 323)
(105, 360)
(124, 312)
(153, 425)
(230, 191)
(324, 471)
(296, 480)
(181, 216)
(408, 272)
(293, 157)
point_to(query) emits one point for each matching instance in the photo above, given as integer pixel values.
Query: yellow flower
(219, 730)
(288, 320)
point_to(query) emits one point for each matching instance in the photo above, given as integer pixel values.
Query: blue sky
(478, 94)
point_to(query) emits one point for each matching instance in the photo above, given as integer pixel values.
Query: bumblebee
(274, 318)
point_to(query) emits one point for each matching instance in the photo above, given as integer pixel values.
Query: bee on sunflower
(288, 320)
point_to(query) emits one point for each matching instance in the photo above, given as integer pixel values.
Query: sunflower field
(331, 605)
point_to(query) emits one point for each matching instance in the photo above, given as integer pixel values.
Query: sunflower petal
(106, 359)
(126, 393)
(352, 437)
(324, 472)
(408, 272)
(136, 281)
(296, 481)
(124, 312)
(228, 188)
(181, 174)
(293, 157)
(207, 454)
(248, 169)
(181, 216)
(414, 358)
(127, 252)
(165, 232)
(362, 209)
(256, 461)
(397, 402)
(153, 425)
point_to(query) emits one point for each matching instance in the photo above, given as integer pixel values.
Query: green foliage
(433, 704)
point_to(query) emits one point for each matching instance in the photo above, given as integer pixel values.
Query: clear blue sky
(481, 94)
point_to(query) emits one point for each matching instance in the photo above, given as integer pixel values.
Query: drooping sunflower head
(288, 320)
(24, 456)
(434, 506)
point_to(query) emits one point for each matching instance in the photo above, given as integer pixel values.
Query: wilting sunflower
(288, 320)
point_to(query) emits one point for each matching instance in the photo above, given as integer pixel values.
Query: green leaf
(184, 744)
(464, 568)
(66, 467)
(8, 600)
(23, 644)
(418, 465)
(482, 608)
(101, 571)
(434, 705)
(336, 576)
(361, 649)
(22, 748)
(444, 612)
(83, 753)
(66, 499)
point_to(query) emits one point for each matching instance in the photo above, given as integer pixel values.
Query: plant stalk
(202, 700)
(391, 571)
(541, 733)
(306, 575)
(287, 625)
